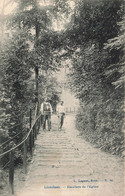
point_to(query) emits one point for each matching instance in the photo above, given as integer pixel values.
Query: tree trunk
(37, 29)
(36, 80)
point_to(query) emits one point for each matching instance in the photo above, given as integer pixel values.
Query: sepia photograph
(62, 97)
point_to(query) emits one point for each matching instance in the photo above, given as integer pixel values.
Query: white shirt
(60, 109)
(41, 109)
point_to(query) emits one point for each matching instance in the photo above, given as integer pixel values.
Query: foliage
(96, 21)
(93, 41)
(30, 47)
(16, 73)
(97, 70)
(116, 45)
(49, 87)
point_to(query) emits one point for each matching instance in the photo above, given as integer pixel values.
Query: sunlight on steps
(62, 158)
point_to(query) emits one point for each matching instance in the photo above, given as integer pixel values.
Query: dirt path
(65, 165)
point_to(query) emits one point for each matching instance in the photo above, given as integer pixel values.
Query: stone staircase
(64, 164)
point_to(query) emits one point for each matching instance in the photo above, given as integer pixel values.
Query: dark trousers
(47, 117)
(42, 120)
(61, 120)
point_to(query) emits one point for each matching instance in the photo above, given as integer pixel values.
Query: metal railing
(29, 139)
(71, 109)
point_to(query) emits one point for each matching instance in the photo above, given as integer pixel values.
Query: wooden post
(35, 132)
(39, 123)
(38, 108)
(37, 126)
(33, 138)
(31, 142)
(11, 172)
(30, 138)
(24, 156)
(30, 118)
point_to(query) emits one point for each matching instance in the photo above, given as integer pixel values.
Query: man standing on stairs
(61, 114)
(46, 110)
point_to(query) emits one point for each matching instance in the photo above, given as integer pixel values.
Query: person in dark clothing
(61, 114)
(46, 110)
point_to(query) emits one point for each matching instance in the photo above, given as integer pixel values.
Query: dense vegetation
(29, 56)
(97, 72)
